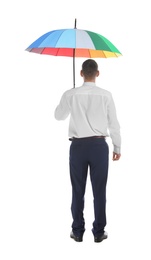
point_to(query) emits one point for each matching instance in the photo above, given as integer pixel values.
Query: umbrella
(74, 43)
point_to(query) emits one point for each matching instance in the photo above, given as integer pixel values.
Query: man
(92, 114)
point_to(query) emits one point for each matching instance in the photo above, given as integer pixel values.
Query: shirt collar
(89, 84)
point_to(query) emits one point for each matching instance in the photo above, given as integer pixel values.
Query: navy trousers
(92, 153)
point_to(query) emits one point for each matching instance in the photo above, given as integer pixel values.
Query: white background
(35, 190)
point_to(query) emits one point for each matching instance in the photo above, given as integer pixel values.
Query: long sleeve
(113, 126)
(62, 110)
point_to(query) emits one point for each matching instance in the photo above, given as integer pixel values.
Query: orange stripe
(97, 53)
(82, 53)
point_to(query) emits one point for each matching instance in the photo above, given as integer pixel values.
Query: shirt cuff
(117, 149)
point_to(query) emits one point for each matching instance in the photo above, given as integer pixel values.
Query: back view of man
(92, 114)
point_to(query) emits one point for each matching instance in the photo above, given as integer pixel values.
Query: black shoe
(77, 239)
(101, 238)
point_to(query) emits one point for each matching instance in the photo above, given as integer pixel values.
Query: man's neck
(89, 80)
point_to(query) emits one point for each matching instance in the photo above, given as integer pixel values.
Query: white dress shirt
(92, 113)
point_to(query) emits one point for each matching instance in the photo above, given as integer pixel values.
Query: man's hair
(89, 68)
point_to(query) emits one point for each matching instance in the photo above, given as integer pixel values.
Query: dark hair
(89, 68)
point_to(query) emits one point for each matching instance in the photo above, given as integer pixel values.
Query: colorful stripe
(68, 52)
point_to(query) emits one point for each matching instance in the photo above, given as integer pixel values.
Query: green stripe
(101, 43)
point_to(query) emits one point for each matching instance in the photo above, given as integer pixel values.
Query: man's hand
(116, 156)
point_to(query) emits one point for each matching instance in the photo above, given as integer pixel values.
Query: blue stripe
(65, 38)
(47, 40)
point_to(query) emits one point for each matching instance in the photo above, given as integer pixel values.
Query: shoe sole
(97, 240)
(77, 239)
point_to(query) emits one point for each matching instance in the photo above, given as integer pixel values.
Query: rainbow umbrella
(74, 43)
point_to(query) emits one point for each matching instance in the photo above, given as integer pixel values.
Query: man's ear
(81, 73)
(98, 73)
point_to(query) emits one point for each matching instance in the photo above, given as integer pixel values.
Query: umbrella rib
(42, 51)
(104, 54)
(89, 53)
(57, 51)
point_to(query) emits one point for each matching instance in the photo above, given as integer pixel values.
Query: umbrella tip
(75, 24)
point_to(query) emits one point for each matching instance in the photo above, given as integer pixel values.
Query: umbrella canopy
(74, 43)
(85, 43)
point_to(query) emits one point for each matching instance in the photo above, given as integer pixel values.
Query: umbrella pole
(73, 68)
(74, 58)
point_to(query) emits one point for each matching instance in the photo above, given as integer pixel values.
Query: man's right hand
(116, 156)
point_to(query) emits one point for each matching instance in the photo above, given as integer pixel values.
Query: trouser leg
(98, 175)
(78, 175)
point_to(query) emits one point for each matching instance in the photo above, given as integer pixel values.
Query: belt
(82, 138)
